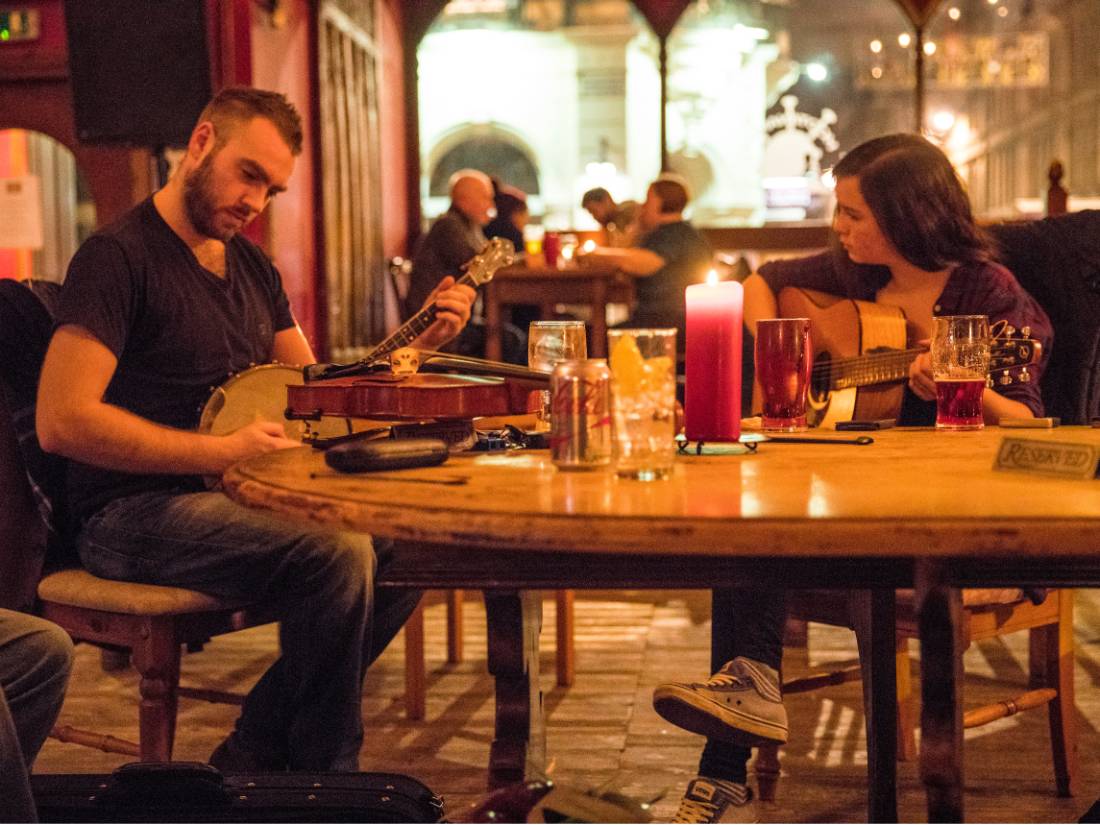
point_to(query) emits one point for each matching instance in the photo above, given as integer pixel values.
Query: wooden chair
(987, 614)
(152, 622)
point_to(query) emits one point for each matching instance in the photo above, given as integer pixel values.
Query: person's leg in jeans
(304, 713)
(739, 706)
(747, 623)
(35, 660)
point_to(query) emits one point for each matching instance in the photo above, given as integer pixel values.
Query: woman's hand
(921, 381)
(454, 303)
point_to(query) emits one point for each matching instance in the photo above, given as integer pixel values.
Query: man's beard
(199, 202)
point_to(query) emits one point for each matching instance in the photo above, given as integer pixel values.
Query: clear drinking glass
(784, 358)
(960, 367)
(548, 343)
(643, 401)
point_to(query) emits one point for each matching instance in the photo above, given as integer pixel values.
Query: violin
(448, 387)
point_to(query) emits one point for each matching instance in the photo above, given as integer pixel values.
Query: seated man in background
(671, 255)
(619, 220)
(456, 236)
(35, 659)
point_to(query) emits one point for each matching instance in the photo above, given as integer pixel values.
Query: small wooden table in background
(595, 285)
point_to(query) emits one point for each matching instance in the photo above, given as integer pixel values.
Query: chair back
(400, 271)
(22, 530)
(1057, 260)
(31, 481)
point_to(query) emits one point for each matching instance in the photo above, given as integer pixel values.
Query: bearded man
(156, 309)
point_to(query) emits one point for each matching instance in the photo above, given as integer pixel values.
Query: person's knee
(51, 650)
(341, 563)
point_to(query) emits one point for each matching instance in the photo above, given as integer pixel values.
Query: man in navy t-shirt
(671, 255)
(156, 309)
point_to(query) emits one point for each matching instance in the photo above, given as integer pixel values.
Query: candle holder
(745, 445)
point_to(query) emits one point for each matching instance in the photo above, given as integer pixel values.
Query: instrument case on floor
(194, 792)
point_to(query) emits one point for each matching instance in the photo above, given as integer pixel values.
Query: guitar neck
(865, 370)
(413, 328)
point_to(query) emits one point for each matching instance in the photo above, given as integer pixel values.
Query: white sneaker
(741, 703)
(715, 800)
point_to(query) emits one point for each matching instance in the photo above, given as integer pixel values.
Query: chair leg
(766, 769)
(454, 626)
(157, 661)
(566, 662)
(907, 718)
(1051, 660)
(796, 633)
(416, 682)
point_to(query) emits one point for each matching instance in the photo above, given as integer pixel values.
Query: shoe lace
(694, 811)
(724, 679)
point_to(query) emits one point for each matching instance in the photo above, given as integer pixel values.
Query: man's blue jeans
(35, 659)
(304, 713)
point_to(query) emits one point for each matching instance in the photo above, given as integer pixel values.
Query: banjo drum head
(257, 393)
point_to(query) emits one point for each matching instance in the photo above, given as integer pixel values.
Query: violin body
(414, 397)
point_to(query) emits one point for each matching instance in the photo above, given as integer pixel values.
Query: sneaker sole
(682, 708)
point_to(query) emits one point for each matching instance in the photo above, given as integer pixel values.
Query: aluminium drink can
(580, 414)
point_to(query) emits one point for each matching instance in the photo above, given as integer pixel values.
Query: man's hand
(255, 439)
(921, 381)
(454, 302)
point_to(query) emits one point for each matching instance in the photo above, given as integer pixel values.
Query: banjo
(260, 392)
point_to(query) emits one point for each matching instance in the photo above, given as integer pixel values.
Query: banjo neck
(413, 328)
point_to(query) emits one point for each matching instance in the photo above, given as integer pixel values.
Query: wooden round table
(916, 508)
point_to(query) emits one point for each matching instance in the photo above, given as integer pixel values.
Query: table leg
(493, 327)
(518, 752)
(874, 617)
(941, 673)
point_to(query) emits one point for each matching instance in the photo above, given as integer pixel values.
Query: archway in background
(494, 154)
(55, 209)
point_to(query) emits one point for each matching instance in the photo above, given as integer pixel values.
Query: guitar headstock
(483, 266)
(1009, 351)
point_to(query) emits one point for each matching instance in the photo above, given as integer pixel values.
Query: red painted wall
(392, 117)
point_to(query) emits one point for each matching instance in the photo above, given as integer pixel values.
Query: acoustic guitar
(862, 357)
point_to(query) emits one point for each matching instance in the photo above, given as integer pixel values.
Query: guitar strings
(860, 365)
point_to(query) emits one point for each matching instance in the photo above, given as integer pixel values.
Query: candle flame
(712, 277)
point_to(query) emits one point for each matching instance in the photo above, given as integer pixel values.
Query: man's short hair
(236, 105)
(597, 195)
(469, 173)
(672, 192)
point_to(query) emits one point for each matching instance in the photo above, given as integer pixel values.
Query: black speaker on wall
(140, 69)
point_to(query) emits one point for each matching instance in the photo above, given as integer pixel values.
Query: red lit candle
(712, 402)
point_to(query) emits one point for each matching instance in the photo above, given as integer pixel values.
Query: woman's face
(857, 228)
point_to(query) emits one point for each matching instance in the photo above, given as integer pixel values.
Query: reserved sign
(1056, 458)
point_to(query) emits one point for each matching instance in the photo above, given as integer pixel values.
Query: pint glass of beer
(960, 367)
(784, 358)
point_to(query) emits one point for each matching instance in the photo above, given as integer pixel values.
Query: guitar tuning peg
(1004, 380)
(989, 382)
(1025, 376)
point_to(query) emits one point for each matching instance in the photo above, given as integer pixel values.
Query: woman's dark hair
(509, 204)
(918, 200)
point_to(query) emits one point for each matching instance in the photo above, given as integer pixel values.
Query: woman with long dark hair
(905, 236)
